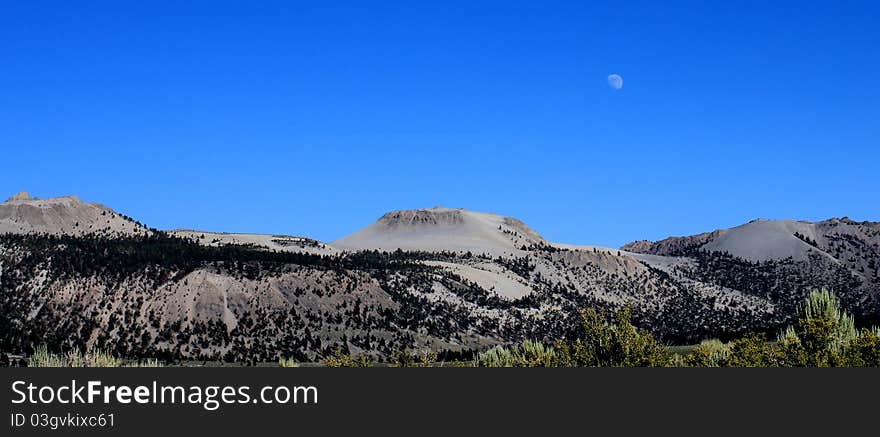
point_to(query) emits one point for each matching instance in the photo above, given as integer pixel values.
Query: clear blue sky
(281, 117)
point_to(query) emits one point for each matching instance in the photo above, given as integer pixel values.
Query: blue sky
(302, 118)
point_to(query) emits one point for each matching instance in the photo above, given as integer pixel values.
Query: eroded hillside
(438, 279)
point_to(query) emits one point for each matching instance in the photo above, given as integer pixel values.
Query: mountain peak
(22, 214)
(440, 228)
(24, 197)
(761, 239)
(20, 196)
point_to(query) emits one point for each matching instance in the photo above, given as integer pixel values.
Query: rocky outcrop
(419, 217)
(23, 214)
(20, 196)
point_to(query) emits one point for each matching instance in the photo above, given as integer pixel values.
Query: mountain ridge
(435, 278)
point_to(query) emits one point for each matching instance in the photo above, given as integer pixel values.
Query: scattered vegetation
(597, 343)
(806, 239)
(526, 354)
(287, 362)
(124, 276)
(408, 359)
(709, 353)
(617, 344)
(42, 357)
(826, 336)
(341, 359)
(118, 277)
(823, 335)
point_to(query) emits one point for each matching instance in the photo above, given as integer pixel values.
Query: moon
(615, 81)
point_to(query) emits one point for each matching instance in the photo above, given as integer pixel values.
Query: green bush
(819, 336)
(403, 359)
(751, 351)
(340, 359)
(408, 359)
(864, 350)
(618, 344)
(75, 358)
(287, 362)
(709, 353)
(823, 335)
(526, 354)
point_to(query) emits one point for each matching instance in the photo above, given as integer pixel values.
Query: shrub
(822, 336)
(751, 351)
(709, 353)
(287, 362)
(819, 336)
(526, 354)
(403, 359)
(340, 359)
(864, 350)
(428, 359)
(407, 359)
(75, 358)
(618, 344)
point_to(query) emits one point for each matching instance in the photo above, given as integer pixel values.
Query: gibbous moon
(615, 81)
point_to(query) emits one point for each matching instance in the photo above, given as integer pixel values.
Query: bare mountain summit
(20, 196)
(22, 214)
(442, 229)
(767, 240)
